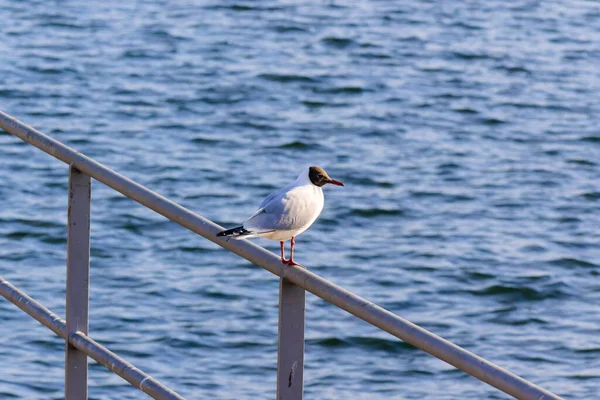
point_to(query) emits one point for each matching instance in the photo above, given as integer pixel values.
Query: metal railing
(294, 281)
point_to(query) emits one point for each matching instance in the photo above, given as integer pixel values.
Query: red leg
(291, 260)
(283, 260)
(293, 243)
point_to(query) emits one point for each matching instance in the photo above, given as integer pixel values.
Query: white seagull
(287, 212)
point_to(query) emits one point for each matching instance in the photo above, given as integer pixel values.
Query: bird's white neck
(303, 179)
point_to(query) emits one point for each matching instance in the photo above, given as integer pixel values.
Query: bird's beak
(334, 182)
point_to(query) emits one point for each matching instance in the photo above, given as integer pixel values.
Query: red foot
(292, 262)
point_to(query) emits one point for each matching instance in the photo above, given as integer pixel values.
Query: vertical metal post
(78, 280)
(290, 352)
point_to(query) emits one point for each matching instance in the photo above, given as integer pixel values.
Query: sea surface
(468, 137)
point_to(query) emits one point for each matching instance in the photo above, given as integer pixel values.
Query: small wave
(374, 212)
(195, 249)
(314, 104)
(131, 353)
(50, 113)
(240, 7)
(209, 196)
(492, 121)
(286, 78)
(588, 350)
(54, 239)
(100, 253)
(79, 141)
(538, 359)
(471, 56)
(289, 29)
(450, 197)
(572, 262)
(138, 53)
(425, 194)
(256, 125)
(493, 290)
(359, 256)
(343, 90)
(217, 294)
(337, 42)
(366, 343)
(131, 226)
(136, 103)
(480, 276)
(45, 238)
(163, 34)
(533, 106)
(552, 291)
(591, 196)
(519, 322)
(568, 220)
(244, 344)
(449, 165)
(186, 343)
(581, 162)
(584, 375)
(217, 98)
(204, 140)
(450, 96)
(23, 234)
(33, 223)
(508, 205)
(590, 139)
(64, 25)
(514, 69)
(572, 244)
(244, 7)
(465, 110)
(373, 55)
(13, 94)
(466, 25)
(298, 145)
(172, 125)
(533, 248)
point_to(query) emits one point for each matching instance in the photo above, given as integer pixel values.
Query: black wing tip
(239, 230)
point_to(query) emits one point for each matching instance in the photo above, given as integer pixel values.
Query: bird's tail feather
(237, 231)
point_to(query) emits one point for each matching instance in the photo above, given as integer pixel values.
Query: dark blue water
(467, 135)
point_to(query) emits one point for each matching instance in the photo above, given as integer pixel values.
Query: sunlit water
(467, 135)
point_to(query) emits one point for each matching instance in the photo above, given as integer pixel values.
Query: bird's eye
(319, 176)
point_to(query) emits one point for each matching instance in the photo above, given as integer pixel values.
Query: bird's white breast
(303, 206)
(290, 213)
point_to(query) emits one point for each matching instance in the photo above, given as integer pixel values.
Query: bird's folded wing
(259, 211)
(270, 197)
(287, 212)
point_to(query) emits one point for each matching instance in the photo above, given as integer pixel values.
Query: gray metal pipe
(290, 343)
(124, 369)
(78, 281)
(101, 354)
(369, 312)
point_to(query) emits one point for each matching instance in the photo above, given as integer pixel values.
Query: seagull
(287, 212)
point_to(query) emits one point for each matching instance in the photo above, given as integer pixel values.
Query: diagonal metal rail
(84, 344)
(328, 291)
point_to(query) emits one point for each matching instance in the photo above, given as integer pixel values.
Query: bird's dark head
(319, 177)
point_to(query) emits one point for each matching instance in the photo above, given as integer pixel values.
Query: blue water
(467, 134)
